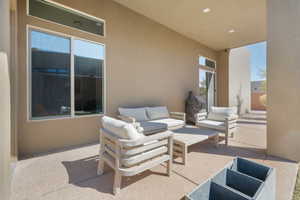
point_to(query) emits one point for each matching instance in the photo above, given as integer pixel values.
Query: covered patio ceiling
(214, 23)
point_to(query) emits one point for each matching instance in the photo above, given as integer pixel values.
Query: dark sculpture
(193, 106)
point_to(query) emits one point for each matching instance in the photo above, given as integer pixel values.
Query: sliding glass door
(207, 88)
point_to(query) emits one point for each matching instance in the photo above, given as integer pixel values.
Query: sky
(49, 42)
(258, 59)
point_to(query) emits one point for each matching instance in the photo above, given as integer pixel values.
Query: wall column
(223, 78)
(283, 75)
(5, 121)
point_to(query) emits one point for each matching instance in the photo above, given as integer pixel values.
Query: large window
(66, 76)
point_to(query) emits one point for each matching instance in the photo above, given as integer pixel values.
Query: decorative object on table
(240, 180)
(192, 107)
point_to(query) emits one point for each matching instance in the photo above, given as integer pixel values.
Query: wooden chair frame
(131, 157)
(228, 129)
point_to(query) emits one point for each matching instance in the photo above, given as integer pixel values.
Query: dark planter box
(240, 180)
(213, 191)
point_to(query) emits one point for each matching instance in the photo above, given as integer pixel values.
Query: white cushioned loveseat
(149, 120)
(223, 119)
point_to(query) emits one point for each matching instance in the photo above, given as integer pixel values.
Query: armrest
(200, 116)
(127, 119)
(231, 122)
(132, 121)
(232, 118)
(146, 139)
(108, 134)
(178, 115)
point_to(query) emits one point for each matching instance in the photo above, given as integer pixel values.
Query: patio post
(283, 79)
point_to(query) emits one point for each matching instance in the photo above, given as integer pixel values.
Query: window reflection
(89, 62)
(50, 81)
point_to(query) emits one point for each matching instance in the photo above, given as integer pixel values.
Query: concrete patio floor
(71, 174)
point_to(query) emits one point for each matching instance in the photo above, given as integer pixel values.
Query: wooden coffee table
(189, 135)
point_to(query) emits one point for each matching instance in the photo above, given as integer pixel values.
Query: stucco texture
(283, 72)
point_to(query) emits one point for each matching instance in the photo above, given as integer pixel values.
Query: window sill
(42, 119)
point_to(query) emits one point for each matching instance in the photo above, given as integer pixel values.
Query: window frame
(207, 67)
(72, 115)
(73, 10)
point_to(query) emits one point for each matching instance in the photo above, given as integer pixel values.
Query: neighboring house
(257, 91)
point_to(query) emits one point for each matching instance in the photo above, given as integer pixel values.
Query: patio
(71, 173)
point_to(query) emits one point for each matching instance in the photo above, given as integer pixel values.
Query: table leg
(217, 141)
(184, 154)
(226, 138)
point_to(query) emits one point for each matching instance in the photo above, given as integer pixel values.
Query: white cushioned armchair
(129, 152)
(219, 118)
(151, 120)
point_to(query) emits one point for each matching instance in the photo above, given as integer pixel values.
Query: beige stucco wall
(146, 64)
(5, 117)
(239, 78)
(283, 75)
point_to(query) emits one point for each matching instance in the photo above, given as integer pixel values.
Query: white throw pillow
(158, 112)
(138, 113)
(121, 129)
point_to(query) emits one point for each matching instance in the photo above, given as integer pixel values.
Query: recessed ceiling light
(231, 31)
(206, 10)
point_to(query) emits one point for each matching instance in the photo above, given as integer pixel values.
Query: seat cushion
(121, 129)
(138, 113)
(150, 127)
(158, 112)
(171, 123)
(218, 125)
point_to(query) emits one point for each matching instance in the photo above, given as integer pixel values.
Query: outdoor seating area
(143, 100)
(145, 137)
(72, 173)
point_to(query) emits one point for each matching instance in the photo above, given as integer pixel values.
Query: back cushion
(224, 110)
(220, 113)
(138, 113)
(216, 116)
(157, 112)
(121, 129)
